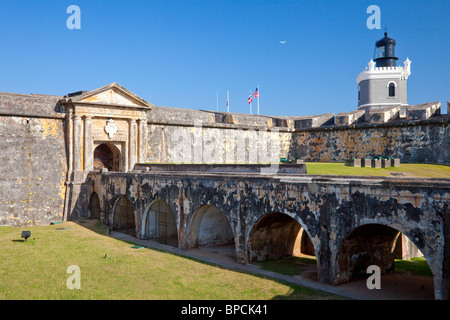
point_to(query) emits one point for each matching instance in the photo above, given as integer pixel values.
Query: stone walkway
(393, 286)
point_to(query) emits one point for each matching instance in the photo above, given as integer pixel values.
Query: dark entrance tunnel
(123, 216)
(94, 206)
(106, 156)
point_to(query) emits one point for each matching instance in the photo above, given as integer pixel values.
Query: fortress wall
(208, 144)
(425, 141)
(192, 136)
(33, 160)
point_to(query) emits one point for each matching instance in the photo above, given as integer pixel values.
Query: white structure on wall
(384, 84)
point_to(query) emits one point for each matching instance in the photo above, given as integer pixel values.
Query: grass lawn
(36, 269)
(415, 266)
(406, 170)
(290, 266)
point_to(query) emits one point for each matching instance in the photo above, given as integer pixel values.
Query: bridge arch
(374, 244)
(122, 218)
(276, 235)
(159, 223)
(209, 226)
(94, 206)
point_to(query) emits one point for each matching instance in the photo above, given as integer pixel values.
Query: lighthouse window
(381, 52)
(391, 89)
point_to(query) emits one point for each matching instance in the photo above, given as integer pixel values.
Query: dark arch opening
(94, 206)
(160, 225)
(277, 235)
(367, 245)
(106, 156)
(376, 244)
(123, 216)
(279, 243)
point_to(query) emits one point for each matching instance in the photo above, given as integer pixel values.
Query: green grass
(407, 170)
(36, 269)
(415, 266)
(290, 266)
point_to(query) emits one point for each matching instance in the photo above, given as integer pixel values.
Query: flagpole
(258, 99)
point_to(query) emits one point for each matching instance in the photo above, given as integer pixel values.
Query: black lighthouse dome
(385, 52)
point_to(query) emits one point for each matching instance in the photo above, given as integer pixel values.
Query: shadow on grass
(291, 266)
(298, 292)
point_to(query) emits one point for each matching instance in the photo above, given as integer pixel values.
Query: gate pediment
(111, 95)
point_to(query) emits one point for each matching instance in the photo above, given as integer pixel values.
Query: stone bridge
(347, 223)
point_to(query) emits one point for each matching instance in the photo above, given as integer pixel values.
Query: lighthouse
(383, 84)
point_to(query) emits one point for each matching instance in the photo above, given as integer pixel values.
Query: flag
(256, 94)
(250, 98)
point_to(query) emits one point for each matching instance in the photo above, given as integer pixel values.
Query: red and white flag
(250, 98)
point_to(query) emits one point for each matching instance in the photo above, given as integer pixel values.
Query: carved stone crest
(111, 128)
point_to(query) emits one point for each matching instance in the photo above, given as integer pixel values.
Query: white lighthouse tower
(383, 84)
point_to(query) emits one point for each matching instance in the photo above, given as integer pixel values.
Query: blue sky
(180, 53)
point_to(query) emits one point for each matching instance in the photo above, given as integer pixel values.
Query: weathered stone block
(385, 163)
(376, 163)
(353, 162)
(395, 162)
(381, 115)
(366, 163)
(423, 111)
(314, 121)
(348, 118)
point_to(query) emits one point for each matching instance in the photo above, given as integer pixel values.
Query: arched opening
(94, 206)
(159, 224)
(210, 227)
(277, 235)
(378, 245)
(123, 216)
(367, 245)
(305, 246)
(106, 156)
(391, 90)
(283, 242)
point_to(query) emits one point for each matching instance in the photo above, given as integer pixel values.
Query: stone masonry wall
(33, 161)
(193, 136)
(421, 142)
